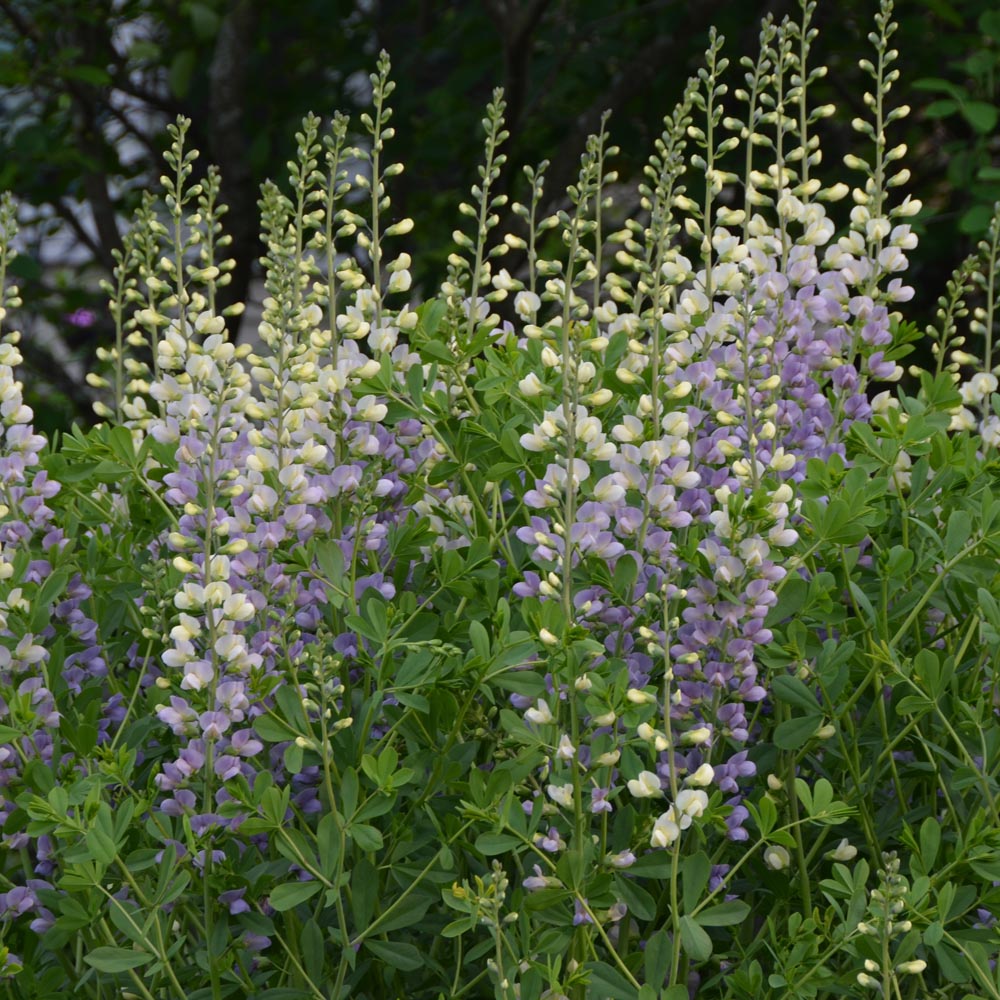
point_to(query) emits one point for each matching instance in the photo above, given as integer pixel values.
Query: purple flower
(81, 318)
(235, 901)
(599, 801)
(580, 915)
(255, 942)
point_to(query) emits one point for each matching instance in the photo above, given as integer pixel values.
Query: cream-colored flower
(665, 830)
(646, 786)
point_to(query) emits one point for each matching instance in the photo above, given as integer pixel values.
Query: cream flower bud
(697, 736)
(776, 857)
(639, 697)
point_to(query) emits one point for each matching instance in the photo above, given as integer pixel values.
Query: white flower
(187, 629)
(562, 795)
(369, 409)
(526, 303)
(541, 715)
(238, 608)
(844, 851)
(400, 281)
(754, 551)
(691, 804)
(565, 750)
(503, 281)
(646, 786)
(665, 830)
(383, 338)
(702, 777)
(776, 857)
(531, 385)
(962, 419)
(990, 431)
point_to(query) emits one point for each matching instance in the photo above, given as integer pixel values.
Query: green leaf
(457, 927)
(364, 892)
(52, 588)
(695, 940)
(608, 984)
(795, 733)
(695, 872)
(411, 911)
(952, 963)
(941, 109)
(724, 914)
(639, 902)
(204, 20)
(181, 70)
(94, 75)
(330, 559)
(102, 847)
(397, 954)
(626, 573)
(792, 691)
(981, 116)
(328, 839)
(656, 958)
(292, 758)
(677, 992)
(957, 533)
(312, 948)
(480, 640)
(497, 843)
(273, 730)
(117, 959)
(368, 838)
(941, 85)
(656, 864)
(288, 896)
(431, 350)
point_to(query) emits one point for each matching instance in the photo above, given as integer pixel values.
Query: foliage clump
(566, 634)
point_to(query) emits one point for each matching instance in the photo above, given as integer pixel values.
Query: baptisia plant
(528, 641)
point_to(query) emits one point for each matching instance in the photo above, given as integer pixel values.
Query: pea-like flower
(646, 786)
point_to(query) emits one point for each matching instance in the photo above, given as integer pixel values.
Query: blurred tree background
(87, 87)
